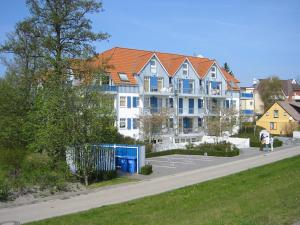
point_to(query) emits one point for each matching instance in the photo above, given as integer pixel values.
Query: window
(160, 83)
(122, 123)
(147, 84)
(185, 69)
(153, 66)
(122, 101)
(134, 123)
(251, 103)
(273, 126)
(123, 77)
(276, 114)
(284, 114)
(176, 140)
(233, 103)
(213, 72)
(171, 124)
(146, 102)
(200, 122)
(171, 102)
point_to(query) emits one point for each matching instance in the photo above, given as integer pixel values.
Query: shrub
(277, 143)
(39, 170)
(146, 170)
(220, 149)
(148, 147)
(4, 189)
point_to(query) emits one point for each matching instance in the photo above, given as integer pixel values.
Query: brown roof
(287, 86)
(292, 108)
(131, 61)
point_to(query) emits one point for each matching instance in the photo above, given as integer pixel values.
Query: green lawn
(114, 181)
(265, 195)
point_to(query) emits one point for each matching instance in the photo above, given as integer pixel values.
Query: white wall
(124, 112)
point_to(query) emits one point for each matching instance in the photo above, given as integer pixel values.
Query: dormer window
(123, 77)
(213, 72)
(185, 68)
(153, 66)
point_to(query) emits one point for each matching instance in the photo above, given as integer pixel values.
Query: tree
(270, 91)
(224, 122)
(227, 68)
(153, 123)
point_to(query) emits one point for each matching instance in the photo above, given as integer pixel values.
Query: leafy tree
(270, 91)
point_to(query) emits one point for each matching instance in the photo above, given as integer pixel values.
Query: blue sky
(257, 38)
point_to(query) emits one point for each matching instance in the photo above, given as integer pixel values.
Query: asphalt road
(127, 192)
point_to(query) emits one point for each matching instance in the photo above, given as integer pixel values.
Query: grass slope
(264, 195)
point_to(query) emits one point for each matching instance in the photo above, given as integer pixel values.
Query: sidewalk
(57, 207)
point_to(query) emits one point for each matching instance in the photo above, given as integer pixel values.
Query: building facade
(190, 89)
(282, 118)
(247, 104)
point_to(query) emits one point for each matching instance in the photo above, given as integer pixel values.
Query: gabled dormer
(215, 82)
(153, 77)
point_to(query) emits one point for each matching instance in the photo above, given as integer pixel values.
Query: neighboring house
(247, 103)
(146, 82)
(282, 118)
(290, 90)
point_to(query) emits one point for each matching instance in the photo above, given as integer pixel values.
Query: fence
(106, 157)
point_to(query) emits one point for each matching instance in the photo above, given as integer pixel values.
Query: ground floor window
(135, 123)
(122, 123)
(273, 126)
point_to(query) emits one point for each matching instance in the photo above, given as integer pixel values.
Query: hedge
(147, 169)
(221, 149)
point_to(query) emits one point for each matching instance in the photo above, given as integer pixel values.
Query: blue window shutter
(134, 102)
(128, 102)
(128, 123)
(153, 82)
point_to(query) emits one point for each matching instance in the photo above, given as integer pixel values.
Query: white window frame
(125, 102)
(185, 71)
(160, 79)
(153, 68)
(213, 72)
(124, 75)
(148, 88)
(125, 123)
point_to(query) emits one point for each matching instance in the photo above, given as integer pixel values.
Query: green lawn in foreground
(114, 181)
(265, 195)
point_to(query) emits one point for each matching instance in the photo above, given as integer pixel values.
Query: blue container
(131, 166)
(118, 162)
(124, 167)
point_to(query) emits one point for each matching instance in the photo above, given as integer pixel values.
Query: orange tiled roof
(131, 61)
(232, 82)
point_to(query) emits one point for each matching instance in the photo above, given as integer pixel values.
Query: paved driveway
(173, 164)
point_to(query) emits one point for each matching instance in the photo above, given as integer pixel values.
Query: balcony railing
(248, 112)
(105, 88)
(180, 110)
(191, 110)
(246, 95)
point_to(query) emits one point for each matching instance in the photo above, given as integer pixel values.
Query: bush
(277, 143)
(146, 170)
(148, 147)
(39, 170)
(98, 176)
(4, 189)
(220, 149)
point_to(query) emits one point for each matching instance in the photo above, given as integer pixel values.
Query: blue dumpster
(118, 162)
(131, 166)
(124, 164)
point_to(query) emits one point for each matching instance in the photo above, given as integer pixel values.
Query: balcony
(248, 112)
(105, 88)
(245, 95)
(156, 91)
